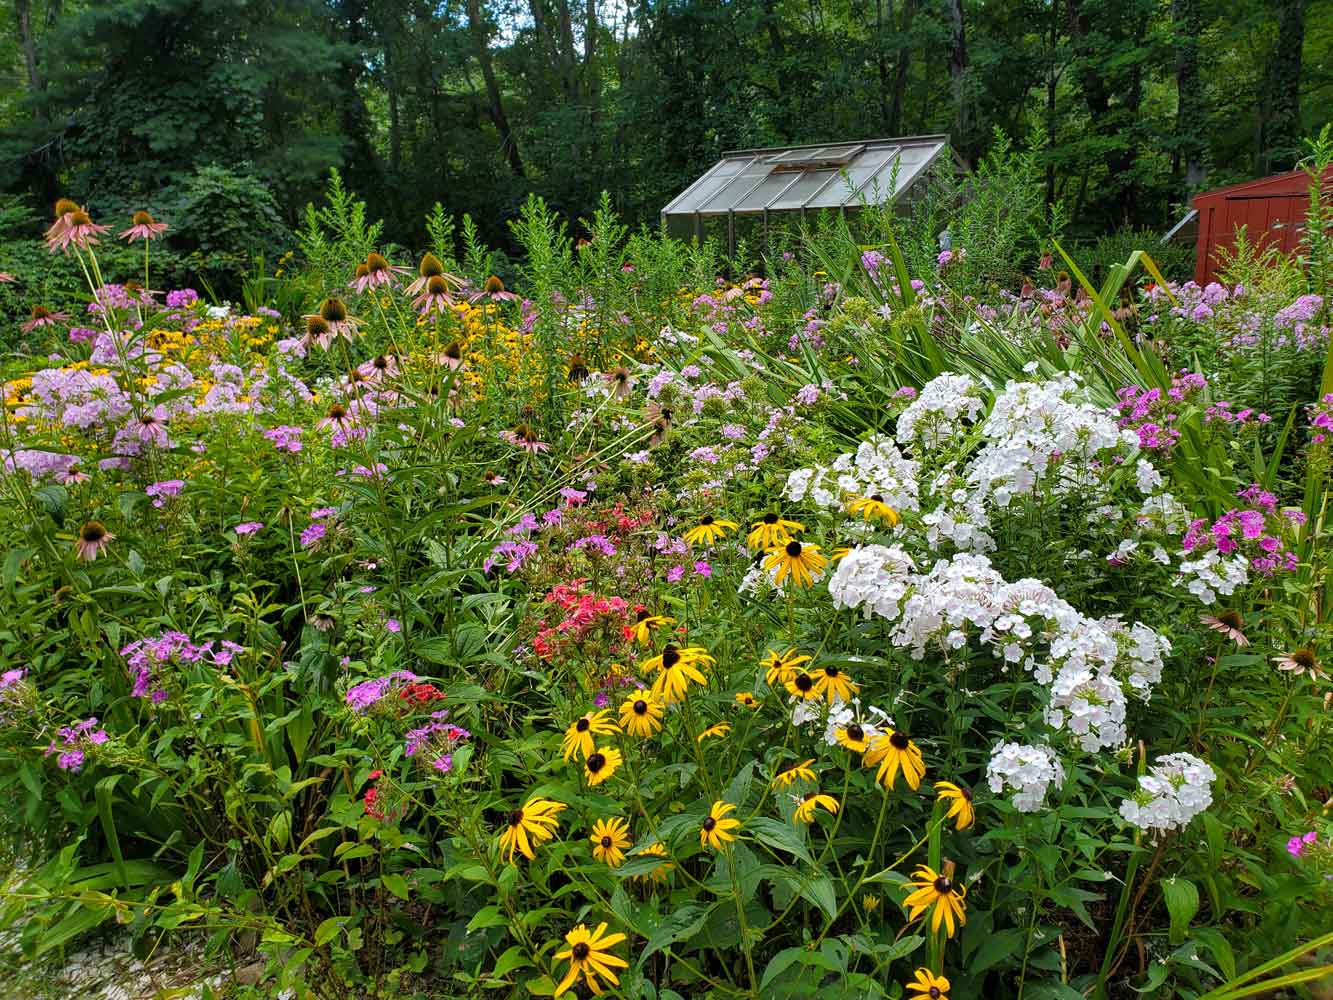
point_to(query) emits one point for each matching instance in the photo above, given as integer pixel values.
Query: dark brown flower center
(935, 993)
(965, 793)
(360, 271)
(794, 549)
(899, 741)
(92, 532)
(640, 707)
(582, 725)
(804, 682)
(580, 951)
(831, 671)
(40, 312)
(943, 886)
(337, 411)
(516, 817)
(79, 217)
(142, 219)
(454, 350)
(1303, 658)
(855, 732)
(315, 326)
(437, 286)
(381, 363)
(1231, 619)
(494, 285)
(376, 262)
(606, 842)
(670, 656)
(64, 206)
(709, 823)
(430, 266)
(770, 519)
(333, 311)
(706, 520)
(596, 762)
(877, 498)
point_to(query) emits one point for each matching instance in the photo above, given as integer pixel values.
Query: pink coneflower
(435, 298)
(338, 418)
(376, 271)
(42, 316)
(452, 356)
(75, 228)
(431, 268)
(493, 289)
(523, 436)
(1300, 661)
(619, 382)
(492, 478)
(150, 427)
(334, 322)
(248, 528)
(379, 368)
(143, 227)
(92, 541)
(1230, 624)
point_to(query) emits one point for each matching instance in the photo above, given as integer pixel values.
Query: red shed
(1272, 210)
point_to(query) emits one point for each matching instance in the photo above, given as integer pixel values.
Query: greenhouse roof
(797, 178)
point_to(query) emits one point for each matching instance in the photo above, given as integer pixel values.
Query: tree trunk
(1052, 82)
(962, 141)
(1279, 145)
(1190, 111)
(900, 75)
(36, 83)
(507, 142)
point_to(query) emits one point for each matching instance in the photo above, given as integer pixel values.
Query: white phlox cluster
(945, 404)
(1175, 790)
(1027, 771)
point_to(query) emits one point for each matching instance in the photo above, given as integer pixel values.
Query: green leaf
(1182, 903)
(487, 916)
(782, 836)
(996, 948)
(328, 930)
(104, 790)
(680, 926)
(820, 892)
(396, 884)
(513, 958)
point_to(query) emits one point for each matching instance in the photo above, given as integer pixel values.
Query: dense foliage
(1130, 106)
(805, 635)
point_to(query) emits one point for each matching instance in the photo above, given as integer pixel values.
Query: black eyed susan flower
(590, 954)
(645, 624)
(853, 736)
(1300, 661)
(925, 985)
(709, 530)
(601, 764)
(873, 507)
(771, 531)
(779, 669)
(530, 827)
(641, 715)
(799, 772)
(610, 840)
(720, 729)
(833, 685)
(960, 803)
(660, 873)
(579, 736)
(892, 751)
(939, 896)
(809, 802)
(746, 699)
(718, 828)
(800, 561)
(678, 668)
(802, 685)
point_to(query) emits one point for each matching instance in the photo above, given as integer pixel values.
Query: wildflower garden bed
(839, 633)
